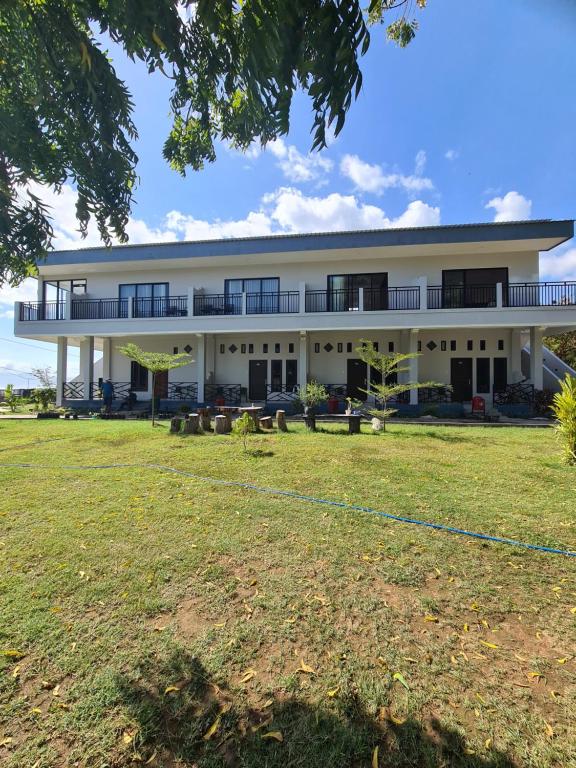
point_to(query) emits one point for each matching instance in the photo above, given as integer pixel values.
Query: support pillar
(516, 355)
(422, 283)
(303, 360)
(301, 298)
(413, 364)
(87, 363)
(61, 368)
(106, 359)
(201, 366)
(536, 362)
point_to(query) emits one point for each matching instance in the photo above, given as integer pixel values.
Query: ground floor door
(356, 379)
(257, 379)
(161, 384)
(461, 379)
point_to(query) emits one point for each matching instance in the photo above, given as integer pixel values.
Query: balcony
(394, 299)
(363, 300)
(280, 302)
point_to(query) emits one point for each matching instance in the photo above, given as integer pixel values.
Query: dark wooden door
(500, 374)
(257, 379)
(356, 379)
(461, 379)
(161, 384)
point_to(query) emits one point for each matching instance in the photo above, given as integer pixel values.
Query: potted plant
(352, 406)
(311, 395)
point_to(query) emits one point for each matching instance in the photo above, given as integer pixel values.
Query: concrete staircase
(554, 368)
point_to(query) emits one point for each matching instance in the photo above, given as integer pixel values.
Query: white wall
(523, 267)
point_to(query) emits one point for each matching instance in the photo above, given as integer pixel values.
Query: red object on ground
(478, 406)
(333, 404)
(219, 400)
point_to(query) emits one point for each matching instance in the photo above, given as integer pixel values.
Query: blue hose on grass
(301, 497)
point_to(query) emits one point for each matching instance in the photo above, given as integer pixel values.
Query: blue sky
(474, 121)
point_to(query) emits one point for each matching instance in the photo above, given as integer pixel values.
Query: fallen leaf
(6, 741)
(488, 743)
(305, 668)
(56, 690)
(36, 710)
(16, 671)
(488, 645)
(454, 660)
(291, 620)
(562, 661)
(171, 689)
(429, 617)
(549, 730)
(128, 737)
(410, 659)
(276, 735)
(399, 677)
(466, 628)
(267, 703)
(333, 692)
(248, 675)
(220, 625)
(469, 751)
(151, 758)
(213, 728)
(480, 698)
(375, 758)
(10, 653)
(397, 720)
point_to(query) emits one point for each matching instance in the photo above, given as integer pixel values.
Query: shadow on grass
(204, 724)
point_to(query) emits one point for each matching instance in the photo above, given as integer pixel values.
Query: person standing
(108, 395)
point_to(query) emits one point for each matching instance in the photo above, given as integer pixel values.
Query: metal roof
(560, 230)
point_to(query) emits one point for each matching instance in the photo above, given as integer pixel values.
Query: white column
(68, 306)
(413, 363)
(200, 366)
(499, 295)
(516, 355)
(536, 364)
(61, 366)
(404, 347)
(244, 302)
(303, 359)
(423, 286)
(87, 363)
(360, 299)
(191, 292)
(40, 289)
(106, 359)
(302, 298)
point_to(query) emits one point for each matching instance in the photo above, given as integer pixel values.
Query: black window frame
(291, 376)
(452, 302)
(138, 377)
(483, 375)
(350, 300)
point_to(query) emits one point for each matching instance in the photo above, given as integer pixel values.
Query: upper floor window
(343, 293)
(472, 287)
(261, 293)
(148, 297)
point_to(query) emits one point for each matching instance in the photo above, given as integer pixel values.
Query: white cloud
(420, 162)
(295, 212)
(371, 178)
(559, 264)
(297, 167)
(26, 291)
(512, 207)
(184, 226)
(452, 154)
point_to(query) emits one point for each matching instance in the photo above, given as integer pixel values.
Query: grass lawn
(151, 619)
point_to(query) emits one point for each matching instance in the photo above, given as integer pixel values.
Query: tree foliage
(564, 409)
(563, 345)
(390, 366)
(155, 362)
(234, 66)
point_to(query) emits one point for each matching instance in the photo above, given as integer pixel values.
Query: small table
(253, 411)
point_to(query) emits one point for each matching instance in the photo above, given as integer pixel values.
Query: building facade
(261, 316)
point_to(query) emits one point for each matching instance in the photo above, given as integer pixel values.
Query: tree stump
(281, 421)
(192, 424)
(221, 424)
(354, 424)
(175, 425)
(310, 422)
(205, 419)
(266, 422)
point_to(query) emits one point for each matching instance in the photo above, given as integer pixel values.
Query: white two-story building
(261, 316)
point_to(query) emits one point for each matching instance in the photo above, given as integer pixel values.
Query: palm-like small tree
(389, 366)
(564, 409)
(155, 362)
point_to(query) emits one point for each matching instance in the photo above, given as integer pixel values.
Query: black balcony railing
(161, 306)
(392, 298)
(332, 301)
(374, 300)
(540, 294)
(281, 393)
(281, 302)
(183, 390)
(43, 310)
(223, 394)
(122, 390)
(99, 309)
(218, 304)
(460, 297)
(73, 390)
